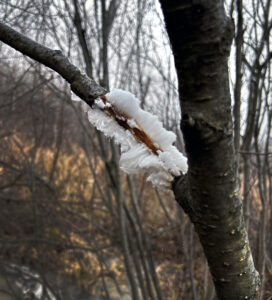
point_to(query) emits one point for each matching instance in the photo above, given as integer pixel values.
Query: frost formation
(163, 165)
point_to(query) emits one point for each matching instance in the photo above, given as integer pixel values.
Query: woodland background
(72, 225)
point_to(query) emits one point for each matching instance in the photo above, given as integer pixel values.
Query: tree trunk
(201, 35)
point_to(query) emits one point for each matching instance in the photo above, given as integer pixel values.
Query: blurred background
(72, 224)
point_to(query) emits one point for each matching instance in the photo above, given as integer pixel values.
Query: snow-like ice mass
(163, 165)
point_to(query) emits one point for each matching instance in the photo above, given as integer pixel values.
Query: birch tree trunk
(201, 35)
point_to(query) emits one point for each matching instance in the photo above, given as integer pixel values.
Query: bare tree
(209, 193)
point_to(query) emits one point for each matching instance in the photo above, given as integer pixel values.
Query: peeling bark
(201, 35)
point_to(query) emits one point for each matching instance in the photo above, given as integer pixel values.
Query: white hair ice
(145, 144)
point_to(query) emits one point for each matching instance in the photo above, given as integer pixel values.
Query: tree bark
(82, 85)
(238, 80)
(201, 35)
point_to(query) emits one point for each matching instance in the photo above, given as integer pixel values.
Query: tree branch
(83, 86)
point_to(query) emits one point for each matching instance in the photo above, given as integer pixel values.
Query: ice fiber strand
(163, 164)
(123, 100)
(130, 105)
(174, 160)
(109, 127)
(139, 158)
